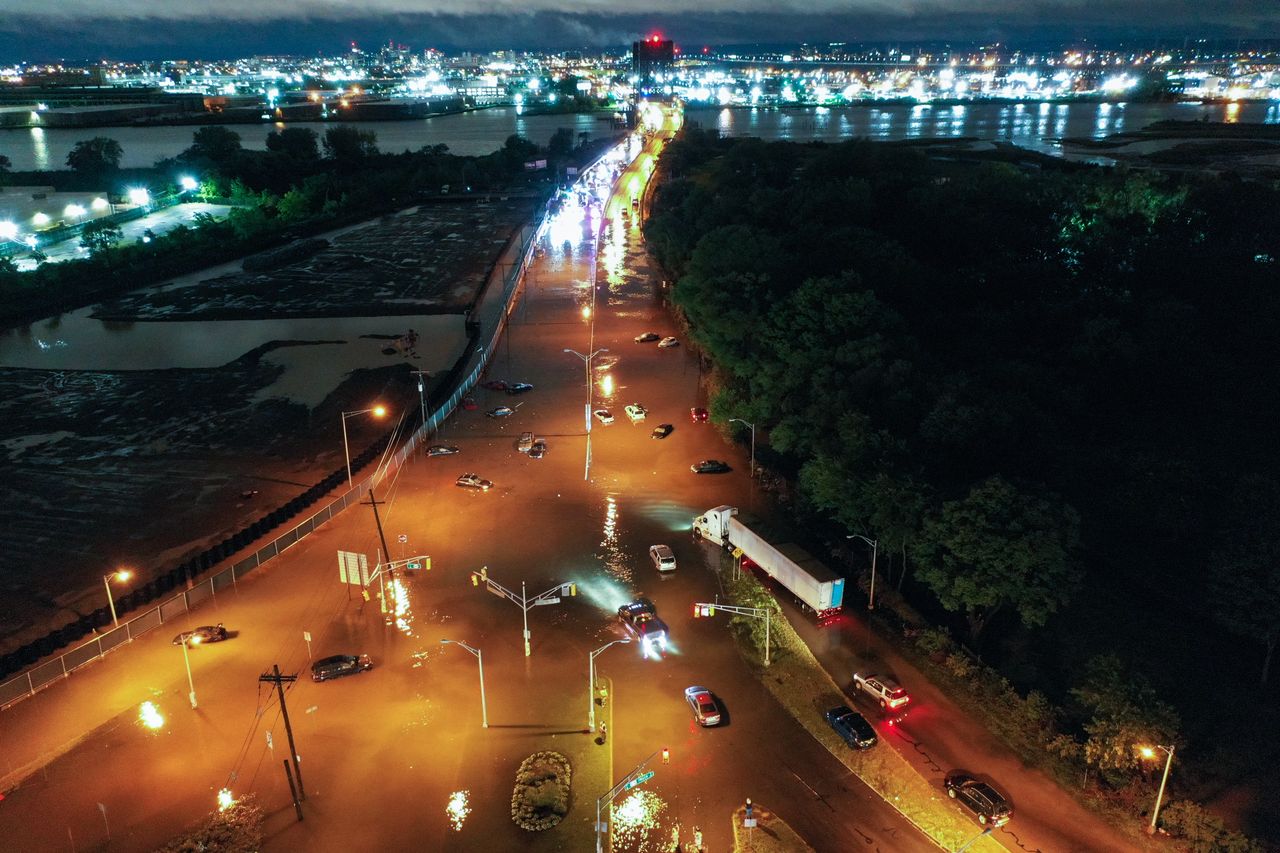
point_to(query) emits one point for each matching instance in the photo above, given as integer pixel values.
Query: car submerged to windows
(500, 412)
(203, 634)
(604, 416)
(474, 481)
(647, 337)
(441, 450)
(337, 666)
(519, 388)
(669, 342)
(662, 431)
(710, 466)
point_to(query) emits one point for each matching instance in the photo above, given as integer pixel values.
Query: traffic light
(697, 611)
(484, 573)
(666, 755)
(475, 579)
(573, 589)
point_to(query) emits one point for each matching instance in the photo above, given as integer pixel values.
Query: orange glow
(586, 312)
(379, 411)
(1147, 752)
(123, 575)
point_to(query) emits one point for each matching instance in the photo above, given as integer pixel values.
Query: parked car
(525, 443)
(662, 431)
(647, 337)
(668, 342)
(604, 416)
(474, 481)
(989, 805)
(539, 449)
(699, 416)
(495, 385)
(203, 634)
(664, 560)
(890, 695)
(852, 727)
(519, 388)
(710, 466)
(441, 450)
(636, 412)
(500, 412)
(705, 709)
(336, 666)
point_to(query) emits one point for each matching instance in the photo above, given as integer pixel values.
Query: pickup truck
(640, 618)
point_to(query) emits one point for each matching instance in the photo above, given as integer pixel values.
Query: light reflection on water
(639, 823)
(611, 554)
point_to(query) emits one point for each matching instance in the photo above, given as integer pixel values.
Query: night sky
(158, 29)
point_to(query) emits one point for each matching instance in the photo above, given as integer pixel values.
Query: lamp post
(875, 549)
(591, 682)
(1148, 752)
(122, 576)
(191, 685)
(484, 706)
(753, 442)
(378, 411)
(586, 362)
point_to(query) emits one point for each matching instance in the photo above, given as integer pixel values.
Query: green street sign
(639, 780)
(414, 566)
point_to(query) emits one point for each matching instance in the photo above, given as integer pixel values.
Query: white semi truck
(813, 583)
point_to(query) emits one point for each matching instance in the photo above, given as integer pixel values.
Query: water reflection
(40, 149)
(401, 614)
(611, 554)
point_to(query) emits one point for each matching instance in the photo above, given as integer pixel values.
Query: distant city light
(100, 203)
(139, 196)
(9, 231)
(187, 183)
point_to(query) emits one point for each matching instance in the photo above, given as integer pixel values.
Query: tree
(95, 157)
(296, 143)
(99, 236)
(1000, 548)
(349, 144)
(5, 165)
(215, 144)
(561, 143)
(517, 149)
(1244, 579)
(1125, 715)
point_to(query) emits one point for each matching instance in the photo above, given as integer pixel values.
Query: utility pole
(279, 681)
(373, 502)
(423, 376)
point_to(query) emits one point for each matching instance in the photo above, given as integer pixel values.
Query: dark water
(474, 133)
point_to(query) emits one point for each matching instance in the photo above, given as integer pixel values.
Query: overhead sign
(639, 780)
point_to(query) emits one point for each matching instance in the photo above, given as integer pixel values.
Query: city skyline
(79, 30)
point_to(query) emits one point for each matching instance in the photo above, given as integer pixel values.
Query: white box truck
(814, 584)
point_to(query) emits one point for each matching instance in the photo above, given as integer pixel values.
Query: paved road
(385, 752)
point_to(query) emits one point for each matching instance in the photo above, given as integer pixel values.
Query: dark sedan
(662, 431)
(519, 388)
(987, 804)
(203, 634)
(710, 466)
(852, 727)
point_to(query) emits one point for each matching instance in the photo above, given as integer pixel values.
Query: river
(1032, 125)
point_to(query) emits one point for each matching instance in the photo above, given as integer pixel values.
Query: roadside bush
(1203, 832)
(541, 796)
(935, 643)
(236, 830)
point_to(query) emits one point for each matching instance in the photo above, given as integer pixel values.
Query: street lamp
(1148, 752)
(591, 682)
(586, 363)
(378, 411)
(484, 706)
(186, 659)
(122, 576)
(753, 442)
(875, 549)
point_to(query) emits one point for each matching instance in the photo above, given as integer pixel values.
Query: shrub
(1203, 832)
(935, 643)
(236, 830)
(541, 796)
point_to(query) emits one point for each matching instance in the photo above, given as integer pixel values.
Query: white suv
(636, 412)
(663, 558)
(891, 695)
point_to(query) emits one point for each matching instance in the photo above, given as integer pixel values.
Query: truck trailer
(814, 584)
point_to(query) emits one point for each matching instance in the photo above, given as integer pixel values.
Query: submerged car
(636, 412)
(641, 619)
(662, 431)
(668, 342)
(441, 450)
(699, 416)
(604, 416)
(519, 388)
(336, 666)
(539, 449)
(989, 805)
(495, 385)
(710, 466)
(500, 412)
(664, 559)
(647, 337)
(203, 634)
(474, 481)
(703, 703)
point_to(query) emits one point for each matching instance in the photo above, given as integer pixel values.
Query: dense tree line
(1035, 387)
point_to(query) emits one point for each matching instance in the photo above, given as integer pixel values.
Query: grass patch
(800, 684)
(771, 835)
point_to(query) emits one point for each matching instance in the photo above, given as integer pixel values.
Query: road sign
(749, 823)
(353, 568)
(639, 780)
(546, 601)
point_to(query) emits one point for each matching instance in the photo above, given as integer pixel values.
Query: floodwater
(77, 341)
(473, 134)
